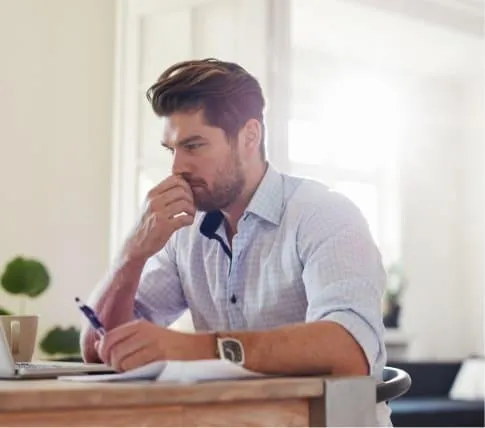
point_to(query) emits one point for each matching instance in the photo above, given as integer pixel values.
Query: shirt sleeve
(342, 272)
(160, 298)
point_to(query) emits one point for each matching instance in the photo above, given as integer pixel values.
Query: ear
(251, 134)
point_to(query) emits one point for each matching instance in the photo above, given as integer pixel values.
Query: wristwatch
(229, 348)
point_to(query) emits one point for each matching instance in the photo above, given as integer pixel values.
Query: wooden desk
(302, 401)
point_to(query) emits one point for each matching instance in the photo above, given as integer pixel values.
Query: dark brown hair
(227, 94)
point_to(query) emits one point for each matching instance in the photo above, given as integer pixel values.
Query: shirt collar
(210, 223)
(266, 203)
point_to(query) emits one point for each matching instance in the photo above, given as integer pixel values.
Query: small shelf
(395, 336)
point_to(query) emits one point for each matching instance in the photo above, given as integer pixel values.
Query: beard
(227, 186)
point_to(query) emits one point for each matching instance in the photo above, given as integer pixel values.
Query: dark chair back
(430, 378)
(395, 383)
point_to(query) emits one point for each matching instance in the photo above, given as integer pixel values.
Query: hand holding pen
(92, 317)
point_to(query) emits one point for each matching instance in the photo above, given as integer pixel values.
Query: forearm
(113, 301)
(300, 349)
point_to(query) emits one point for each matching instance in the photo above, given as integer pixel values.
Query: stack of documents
(175, 371)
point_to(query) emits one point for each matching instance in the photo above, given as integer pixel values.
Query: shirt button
(233, 299)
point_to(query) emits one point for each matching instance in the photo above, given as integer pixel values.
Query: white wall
(430, 211)
(55, 144)
(436, 49)
(473, 215)
(443, 231)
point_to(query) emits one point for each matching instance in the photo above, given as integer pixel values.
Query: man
(279, 273)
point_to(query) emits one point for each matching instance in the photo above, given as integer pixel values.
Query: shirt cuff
(362, 332)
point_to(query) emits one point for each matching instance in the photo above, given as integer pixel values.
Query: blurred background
(381, 99)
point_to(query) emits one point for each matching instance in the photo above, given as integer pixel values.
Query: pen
(91, 316)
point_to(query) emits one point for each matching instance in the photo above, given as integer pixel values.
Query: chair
(428, 402)
(395, 382)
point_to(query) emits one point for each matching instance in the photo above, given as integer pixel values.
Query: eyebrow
(191, 139)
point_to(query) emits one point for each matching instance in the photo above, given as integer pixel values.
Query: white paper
(148, 372)
(174, 371)
(204, 370)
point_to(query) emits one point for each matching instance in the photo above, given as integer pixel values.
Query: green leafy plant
(27, 279)
(396, 283)
(4, 312)
(69, 338)
(24, 278)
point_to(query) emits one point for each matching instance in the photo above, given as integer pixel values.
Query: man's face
(205, 158)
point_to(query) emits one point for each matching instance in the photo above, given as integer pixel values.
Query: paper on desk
(175, 371)
(148, 372)
(204, 370)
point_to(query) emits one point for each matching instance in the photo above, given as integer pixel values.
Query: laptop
(9, 369)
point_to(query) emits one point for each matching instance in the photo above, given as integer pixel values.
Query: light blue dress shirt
(302, 253)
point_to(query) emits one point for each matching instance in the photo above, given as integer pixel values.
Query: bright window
(345, 132)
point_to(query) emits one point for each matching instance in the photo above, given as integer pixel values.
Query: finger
(176, 193)
(102, 353)
(181, 220)
(123, 349)
(159, 202)
(144, 355)
(169, 183)
(115, 336)
(97, 345)
(178, 207)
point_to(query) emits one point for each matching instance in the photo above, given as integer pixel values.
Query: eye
(168, 149)
(192, 146)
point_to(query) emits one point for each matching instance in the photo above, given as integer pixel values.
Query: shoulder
(327, 223)
(315, 203)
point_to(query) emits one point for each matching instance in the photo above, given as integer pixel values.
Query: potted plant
(396, 283)
(28, 278)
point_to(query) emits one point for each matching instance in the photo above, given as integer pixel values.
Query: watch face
(232, 350)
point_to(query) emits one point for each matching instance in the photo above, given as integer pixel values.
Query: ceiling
(438, 37)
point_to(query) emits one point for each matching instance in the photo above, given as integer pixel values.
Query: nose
(180, 164)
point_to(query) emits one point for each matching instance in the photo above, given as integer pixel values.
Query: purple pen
(91, 316)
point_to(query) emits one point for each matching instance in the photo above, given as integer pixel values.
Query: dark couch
(427, 404)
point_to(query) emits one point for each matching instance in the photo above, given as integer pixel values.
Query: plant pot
(391, 318)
